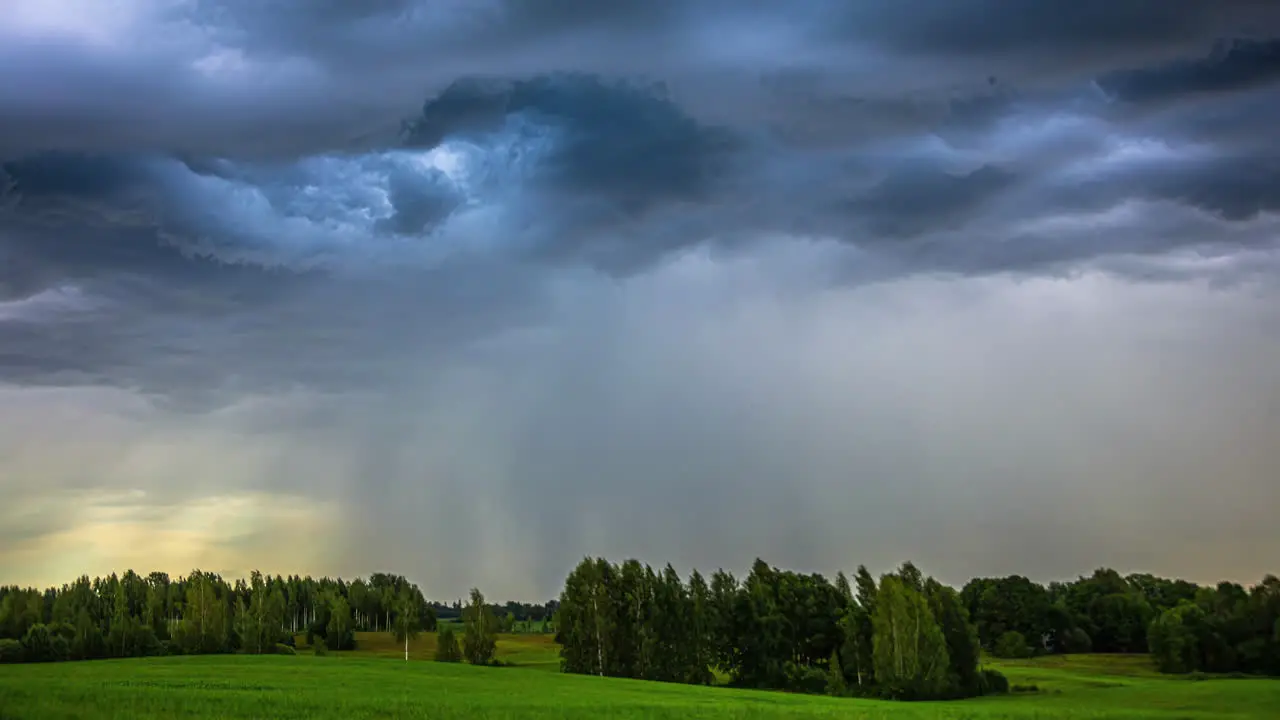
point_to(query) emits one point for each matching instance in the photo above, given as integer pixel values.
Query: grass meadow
(375, 682)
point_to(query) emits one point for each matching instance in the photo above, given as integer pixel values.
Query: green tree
(479, 637)
(11, 651)
(998, 605)
(585, 619)
(121, 630)
(1075, 640)
(910, 652)
(154, 611)
(447, 649)
(339, 631)
(836, 684)
(720, 620)
(1012, 644)
(405, 626)
(87, 643)
(702, 650)
(963, 647)
(204, 618)
(243, 626)
(1174, 638)
(42, 645)
(867, 590)
(843, 587)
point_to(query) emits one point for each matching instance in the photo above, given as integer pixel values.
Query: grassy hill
(368, 683)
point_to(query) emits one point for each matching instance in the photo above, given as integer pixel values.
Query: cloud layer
(472, 289)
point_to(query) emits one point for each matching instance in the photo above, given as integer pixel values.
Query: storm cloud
(467, 290)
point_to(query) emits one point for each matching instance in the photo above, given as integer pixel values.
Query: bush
(282, 649)
(806, 679)
(321, 650)
(11, 651)
(146, 644)
(340, 641)
(992, 682)
(1076, 640)
(1025, 689)
(63, 630)
(89, 643)
(1011, 645)
(447, 649)
(42, 645)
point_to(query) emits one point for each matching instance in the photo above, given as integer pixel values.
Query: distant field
(363, 684)
(535, 651)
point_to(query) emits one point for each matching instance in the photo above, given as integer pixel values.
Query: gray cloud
(821, 283)
(627, 143)
(913, 200)
(1238, 65)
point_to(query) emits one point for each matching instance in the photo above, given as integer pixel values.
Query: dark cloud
(1238, 65)
(913, 200)
(626, 142)
(1235, 188)
(421, 201)
(992, 28)
(230, 77)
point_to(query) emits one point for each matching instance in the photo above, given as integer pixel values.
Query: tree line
(512, 612)
(1185, 627)
(131, 615)
(905, 636)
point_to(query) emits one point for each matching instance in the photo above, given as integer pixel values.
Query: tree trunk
(595, 607)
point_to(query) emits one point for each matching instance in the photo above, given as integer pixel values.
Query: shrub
(1025, 689)
(282, 649)
(42, 645)
(447, 649)
(992, 682)
(11, 651)
(345, 640)
(806, 679)
(1076, 640)
(1011, 645)
(146, 644)
(321, 650)
(88, 642)
(63, 630)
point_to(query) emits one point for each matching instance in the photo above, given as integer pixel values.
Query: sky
(468, 290)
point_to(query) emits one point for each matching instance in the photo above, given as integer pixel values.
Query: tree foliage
(775, 629)
(131, 615)
(909, 651)
(447, 649)
(480, 631)
(1012, 645)
(406, 624)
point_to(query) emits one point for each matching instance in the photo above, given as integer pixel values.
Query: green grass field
(370, 682)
